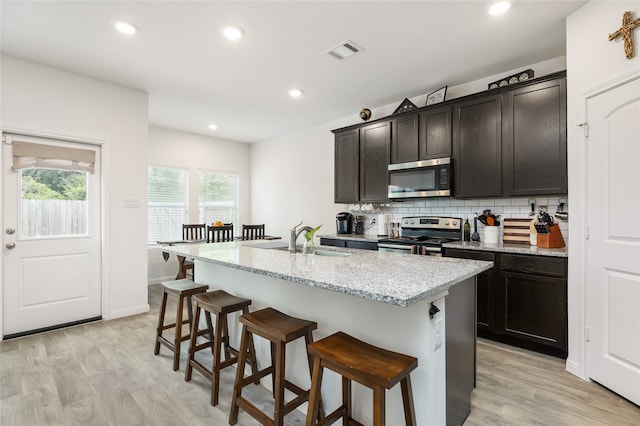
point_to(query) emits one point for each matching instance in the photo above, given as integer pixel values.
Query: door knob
(10, 245)
(10, 231)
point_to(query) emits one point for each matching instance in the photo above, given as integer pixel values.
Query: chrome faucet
(295, 233)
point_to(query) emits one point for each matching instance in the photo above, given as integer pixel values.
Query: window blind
(167, 203)
(29, 155)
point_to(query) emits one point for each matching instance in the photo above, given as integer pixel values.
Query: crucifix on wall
(626, 31)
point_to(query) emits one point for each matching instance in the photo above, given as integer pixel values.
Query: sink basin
(279, 245)
(331, 253)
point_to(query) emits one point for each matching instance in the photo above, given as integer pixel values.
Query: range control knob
(454, 223)
(446, 222)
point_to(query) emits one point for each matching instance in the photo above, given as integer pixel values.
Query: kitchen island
(382, 298)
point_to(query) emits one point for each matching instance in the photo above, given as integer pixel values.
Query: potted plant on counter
(309, 247)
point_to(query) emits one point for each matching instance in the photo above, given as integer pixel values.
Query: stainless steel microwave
(420, 179)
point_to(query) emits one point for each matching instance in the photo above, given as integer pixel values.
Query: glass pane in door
(53, 202)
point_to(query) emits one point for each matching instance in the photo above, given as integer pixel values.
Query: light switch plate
(132, 203)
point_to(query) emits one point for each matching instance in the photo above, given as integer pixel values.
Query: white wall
(592, 61)
(35, 98)
(173, 148)
(292, 176)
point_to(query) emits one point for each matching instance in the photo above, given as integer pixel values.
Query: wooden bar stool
(221, 304)
(183, 289)
(279, 329)
(376, 368)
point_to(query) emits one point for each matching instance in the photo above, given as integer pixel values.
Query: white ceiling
(194, 77)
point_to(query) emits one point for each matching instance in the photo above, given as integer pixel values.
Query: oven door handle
(432, 249)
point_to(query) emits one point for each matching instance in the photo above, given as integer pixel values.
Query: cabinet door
(477, 145)
(374, 161)
(535, 139)
(485, 287)
(435, 133)
(347, 170)
(535, 309)
(405, 138)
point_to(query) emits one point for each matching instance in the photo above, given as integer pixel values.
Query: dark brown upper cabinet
(477, 147)
(374, 161)
(534, 150)
(421, 136)
(347, 166)
(361, 161)
(505, 142)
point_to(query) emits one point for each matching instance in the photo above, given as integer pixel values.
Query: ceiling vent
(344, 50)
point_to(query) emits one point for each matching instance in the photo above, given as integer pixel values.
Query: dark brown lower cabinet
(522, 301)
(338, 242)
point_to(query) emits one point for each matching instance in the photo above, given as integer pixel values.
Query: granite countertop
(508, 248)
(392, 278)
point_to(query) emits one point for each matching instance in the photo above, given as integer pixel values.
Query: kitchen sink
(280, 245)
(331, 253)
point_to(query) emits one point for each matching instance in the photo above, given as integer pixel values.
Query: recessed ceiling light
(499, 8)
(213, 126)
(125, 27)
(232, 32)
(295, 93)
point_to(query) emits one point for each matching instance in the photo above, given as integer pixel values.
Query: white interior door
(51, 240)
(613, 247)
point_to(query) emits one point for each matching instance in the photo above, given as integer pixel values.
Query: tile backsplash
(464, 209)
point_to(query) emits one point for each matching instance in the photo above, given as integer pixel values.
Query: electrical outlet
(373, 221)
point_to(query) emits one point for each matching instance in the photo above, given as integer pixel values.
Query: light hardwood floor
(105, 373)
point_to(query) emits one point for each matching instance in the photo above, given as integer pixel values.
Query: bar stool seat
(371, 366)
(221, 304)
(182, 289)
(279, 329)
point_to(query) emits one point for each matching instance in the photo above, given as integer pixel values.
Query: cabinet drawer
(470, 254)
(333, 242)
(549, 266)
(364, 245)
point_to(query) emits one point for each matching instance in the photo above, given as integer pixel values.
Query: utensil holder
(491, 234)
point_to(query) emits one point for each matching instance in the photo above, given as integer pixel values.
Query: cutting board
(516, 231)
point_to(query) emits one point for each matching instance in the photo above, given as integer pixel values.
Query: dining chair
(253, 232)
(219, 234)
(191, 232)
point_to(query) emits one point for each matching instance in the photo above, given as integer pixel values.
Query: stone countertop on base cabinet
(508, 248)
(392, 278)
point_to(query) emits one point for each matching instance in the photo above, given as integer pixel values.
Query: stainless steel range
(423, 235)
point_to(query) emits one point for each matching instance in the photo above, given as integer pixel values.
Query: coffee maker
(344, 223)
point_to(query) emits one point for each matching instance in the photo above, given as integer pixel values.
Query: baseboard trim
(133, 310)
(161, 280)
(574, 368)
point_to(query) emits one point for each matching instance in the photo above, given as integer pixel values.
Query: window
(54, 202)
(218, 197)
(168, 203)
